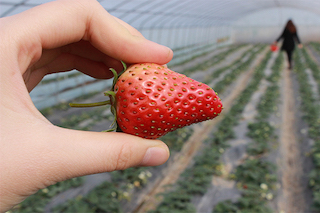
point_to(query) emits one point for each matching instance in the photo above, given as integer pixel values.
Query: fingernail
(155, 156)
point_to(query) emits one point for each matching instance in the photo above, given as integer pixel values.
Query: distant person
(289, 36)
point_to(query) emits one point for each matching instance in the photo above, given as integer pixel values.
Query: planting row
(316, 46)
(235, 69)
(188, 53)
(215, 59)
(310, 107)
(255, 176)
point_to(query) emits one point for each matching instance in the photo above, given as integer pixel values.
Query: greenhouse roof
(177, 13)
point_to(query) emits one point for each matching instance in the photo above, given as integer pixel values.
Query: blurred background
(184, 26)
(262, 154)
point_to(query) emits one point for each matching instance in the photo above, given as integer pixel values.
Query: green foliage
(196, 179)
(176, 139)
(190, 53)
(175, 202)
(313, 66)
(316, 201)
(38, 201)
(268, 103)
(238, 67)
(226, 206)
(311, 115)
(104, 199)
(260, 131)
(248, 172)
(130, 175)
(212, 61)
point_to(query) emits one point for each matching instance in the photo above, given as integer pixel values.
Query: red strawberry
(151, 100)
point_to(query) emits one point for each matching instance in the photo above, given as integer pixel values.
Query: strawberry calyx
(111, 101)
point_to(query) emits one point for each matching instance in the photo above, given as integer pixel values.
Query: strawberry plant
(312, 118)
(149, 100)
(190, 53)
(38, 201)
(316, 46)
(95, 201)
(236, 70)
(176, 201)
(176, 139)
(212, 61)
(313, 67)
(131, 175)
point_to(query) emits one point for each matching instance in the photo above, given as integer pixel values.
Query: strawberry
(150, 100)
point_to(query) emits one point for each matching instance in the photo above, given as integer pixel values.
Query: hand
(55, 37)
(300, 46)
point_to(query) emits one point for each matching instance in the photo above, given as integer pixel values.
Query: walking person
(289, 36)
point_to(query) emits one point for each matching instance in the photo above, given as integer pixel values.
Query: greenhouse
(261, 154)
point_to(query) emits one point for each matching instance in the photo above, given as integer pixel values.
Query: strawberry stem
(102, 103)
(108, 93)
(111, 101)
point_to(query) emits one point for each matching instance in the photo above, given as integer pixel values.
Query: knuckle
(124, 157)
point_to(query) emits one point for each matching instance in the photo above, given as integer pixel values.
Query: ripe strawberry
(151, 100)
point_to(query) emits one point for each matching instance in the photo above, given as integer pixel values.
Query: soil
(292, 199)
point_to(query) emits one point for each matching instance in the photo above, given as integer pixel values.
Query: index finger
(62, 22)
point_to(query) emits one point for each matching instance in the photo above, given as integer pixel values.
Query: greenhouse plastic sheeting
(189, 27)
(176, 13)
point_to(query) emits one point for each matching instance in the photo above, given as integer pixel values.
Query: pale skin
(55, 37)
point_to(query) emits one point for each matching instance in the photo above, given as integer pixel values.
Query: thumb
(79, 153)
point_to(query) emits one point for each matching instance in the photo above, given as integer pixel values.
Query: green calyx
(111, 101)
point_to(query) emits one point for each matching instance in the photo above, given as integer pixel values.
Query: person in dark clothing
(289, 36)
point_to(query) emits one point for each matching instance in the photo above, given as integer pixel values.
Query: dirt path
(290, 161)
(192, 146)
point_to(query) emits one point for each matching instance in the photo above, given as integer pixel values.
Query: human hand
(54, 37)
(300, 45)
